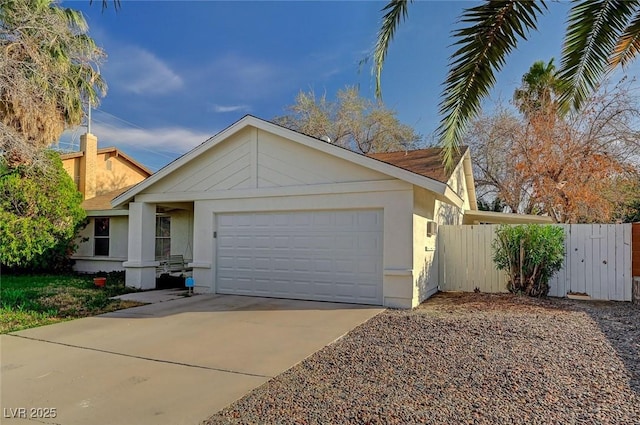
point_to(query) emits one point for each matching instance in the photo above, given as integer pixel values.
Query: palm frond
(494, 28)
(105, 4)
(593, 30)
(395, 12)
(628, 46)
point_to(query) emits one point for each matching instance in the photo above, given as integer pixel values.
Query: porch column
(141, 265)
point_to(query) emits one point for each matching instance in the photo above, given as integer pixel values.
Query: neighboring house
(100, 175)
(262, 210)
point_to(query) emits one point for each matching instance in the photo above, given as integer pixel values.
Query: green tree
(48, 72)
(351, 121)
(539, 89)
(600, 35)
(40, 213)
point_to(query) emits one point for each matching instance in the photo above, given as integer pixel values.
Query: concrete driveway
(175, 362)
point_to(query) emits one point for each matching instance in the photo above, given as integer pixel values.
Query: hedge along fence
(597, 261)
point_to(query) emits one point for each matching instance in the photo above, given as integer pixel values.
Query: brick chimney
(88, 164)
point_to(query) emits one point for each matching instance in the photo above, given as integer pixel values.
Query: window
(163, 236)
(101, 236)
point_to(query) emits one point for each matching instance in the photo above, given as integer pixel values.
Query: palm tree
(539, 90)
(600, 35)
(48, 73)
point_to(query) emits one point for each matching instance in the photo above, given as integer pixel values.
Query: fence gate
(597, 261)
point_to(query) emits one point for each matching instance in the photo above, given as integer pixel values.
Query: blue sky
(180, 71)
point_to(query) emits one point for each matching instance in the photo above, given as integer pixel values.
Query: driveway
(174, 362)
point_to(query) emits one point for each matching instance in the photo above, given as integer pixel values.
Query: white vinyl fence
(597, 261)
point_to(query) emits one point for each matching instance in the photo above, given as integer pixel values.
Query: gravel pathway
(465, 359)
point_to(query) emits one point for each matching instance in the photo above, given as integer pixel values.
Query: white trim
(141, 264)
(470, 182)
(107, 213)
(301, 190)
(398, 272)
(382, 167)
(476, 217)
(99, 258)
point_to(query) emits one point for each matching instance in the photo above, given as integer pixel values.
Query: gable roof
(426, 162)
(103, 202)
(440, 188)
(111, 149)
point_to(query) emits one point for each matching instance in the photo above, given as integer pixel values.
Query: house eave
(491, 217)
(107, 213)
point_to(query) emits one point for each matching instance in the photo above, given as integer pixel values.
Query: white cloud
(139, 71)
(230, 108)
(169, 139)
(114, 131)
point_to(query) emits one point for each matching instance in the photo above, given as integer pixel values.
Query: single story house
(262, 210)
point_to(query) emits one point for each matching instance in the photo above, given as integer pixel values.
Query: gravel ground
(465, 359)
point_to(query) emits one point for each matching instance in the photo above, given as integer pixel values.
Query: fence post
(635, 263)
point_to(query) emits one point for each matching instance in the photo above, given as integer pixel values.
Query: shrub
(40, 213)
(530, 254)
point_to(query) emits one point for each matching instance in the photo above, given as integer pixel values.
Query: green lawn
(30, 301)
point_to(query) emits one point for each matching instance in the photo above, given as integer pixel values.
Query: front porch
(157, 231)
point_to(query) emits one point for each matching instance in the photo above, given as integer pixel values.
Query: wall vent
(432, 228)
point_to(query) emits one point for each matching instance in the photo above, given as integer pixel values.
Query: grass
(30, 301)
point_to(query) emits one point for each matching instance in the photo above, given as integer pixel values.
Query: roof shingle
(425, 162)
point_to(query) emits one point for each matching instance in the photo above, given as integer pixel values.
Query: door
(311, 255)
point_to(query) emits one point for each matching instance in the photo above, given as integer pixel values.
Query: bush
(530, 254)
(40, 213)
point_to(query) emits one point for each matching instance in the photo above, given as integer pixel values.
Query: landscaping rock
(465, 359)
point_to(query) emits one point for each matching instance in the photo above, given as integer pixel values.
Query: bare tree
(578, 168)
(351, 121)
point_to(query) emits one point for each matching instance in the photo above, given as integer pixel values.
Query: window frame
(164, 251)
(101, 237)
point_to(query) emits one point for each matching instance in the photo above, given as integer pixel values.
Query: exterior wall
(121, 174)
(182, 233)
(425, 253)
(86, 262)
(397, 241)
(252, 159)
(72, 167)
(450, 214)
(425, 260)
(114, 172)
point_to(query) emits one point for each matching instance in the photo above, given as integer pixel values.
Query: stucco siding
(425, 264)
(182, 233)
(397, 240)
(425, 261)
(86, 262)
(114, 172)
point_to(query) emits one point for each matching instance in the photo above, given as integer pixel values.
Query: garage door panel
(320, 255)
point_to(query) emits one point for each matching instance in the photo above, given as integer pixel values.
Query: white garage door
(317, 255)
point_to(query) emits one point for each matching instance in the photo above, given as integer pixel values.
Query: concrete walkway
(154, 296)
(173, 362)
